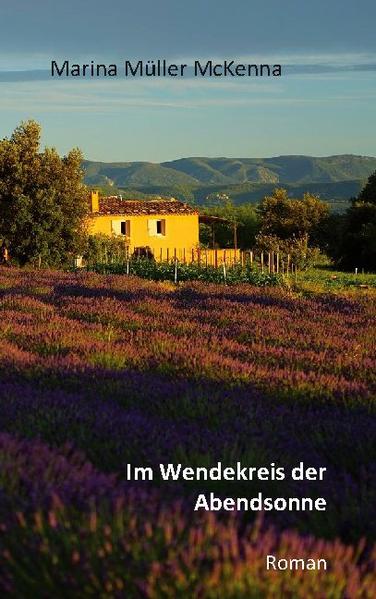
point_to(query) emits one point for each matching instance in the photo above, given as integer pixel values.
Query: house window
(160, 227)
(121, 227)
(125, 227)
(157, 227)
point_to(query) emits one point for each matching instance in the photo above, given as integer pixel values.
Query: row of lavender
(129, 371)
(319, 347)
(80, 533)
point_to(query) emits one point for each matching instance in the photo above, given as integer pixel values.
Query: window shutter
(152, 227)
(116, 227)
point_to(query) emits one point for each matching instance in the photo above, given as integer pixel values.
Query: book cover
(187, 299)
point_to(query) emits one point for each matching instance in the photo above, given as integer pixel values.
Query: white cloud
(104, 97)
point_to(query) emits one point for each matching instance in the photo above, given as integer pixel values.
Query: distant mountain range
(245, 179)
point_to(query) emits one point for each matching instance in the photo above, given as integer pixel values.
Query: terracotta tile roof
(115, 205)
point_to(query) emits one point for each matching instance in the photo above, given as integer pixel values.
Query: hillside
(133, 173)
(334, 178)
(213, 171)
(282, 169)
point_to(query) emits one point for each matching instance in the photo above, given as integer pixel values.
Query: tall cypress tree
(359, 241)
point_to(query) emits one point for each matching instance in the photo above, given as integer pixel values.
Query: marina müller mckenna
(163, 68)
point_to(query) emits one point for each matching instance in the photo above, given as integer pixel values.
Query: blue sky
(325, 103)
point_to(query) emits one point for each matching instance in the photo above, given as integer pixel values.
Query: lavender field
(99, 371)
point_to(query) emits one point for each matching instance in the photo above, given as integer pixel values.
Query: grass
(323, 280)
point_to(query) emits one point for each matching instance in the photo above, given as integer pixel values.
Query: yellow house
(168, 227)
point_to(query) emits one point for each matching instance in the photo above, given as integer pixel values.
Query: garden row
(175, 271)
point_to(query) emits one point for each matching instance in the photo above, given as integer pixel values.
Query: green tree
(368, 193)
(359, 239)
(286, 218)
(244, 217)
(292, 226)
(43, 201)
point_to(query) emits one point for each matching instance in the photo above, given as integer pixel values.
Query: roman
(273, 563)
(83, 70)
